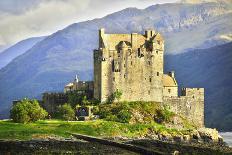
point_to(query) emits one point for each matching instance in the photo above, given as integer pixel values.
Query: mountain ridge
(17, 49)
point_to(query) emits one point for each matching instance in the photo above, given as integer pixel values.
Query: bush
(27, 111)
(124, 116)
(118, 112)
(116, 95)
(66, 112)
(163, 115)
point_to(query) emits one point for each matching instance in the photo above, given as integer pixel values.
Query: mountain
(19, 48)
(209, 68)
(54, 61)
(205, 1)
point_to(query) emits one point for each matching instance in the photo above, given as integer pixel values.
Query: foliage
(135, 112)
(116, 95)
(163, 115)
(118, 112)
(27, 111)
(66, 112)
(74, 98)
(84, 101)
(80, 98)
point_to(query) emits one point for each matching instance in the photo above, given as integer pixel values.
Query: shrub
(27, 111)
(118, 112)
(163, 115)
(124, 116)
(66, 112)
(116, 95)
(84, 101)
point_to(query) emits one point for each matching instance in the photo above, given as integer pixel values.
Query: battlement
(193, 92)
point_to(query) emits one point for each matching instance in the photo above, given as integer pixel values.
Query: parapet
(149, 33)
(192, 91)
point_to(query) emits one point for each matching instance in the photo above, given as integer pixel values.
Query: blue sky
(21, 19)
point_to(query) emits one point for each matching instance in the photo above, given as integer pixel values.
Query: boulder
(209, 135)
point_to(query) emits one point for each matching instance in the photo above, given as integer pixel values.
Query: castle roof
(69, 85)
(169, 81)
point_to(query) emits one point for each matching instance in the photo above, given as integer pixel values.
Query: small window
(149, 62)
(157, 73)
(131, 63)
(150, 79)
(124, 65)
(114, 79)
(139, 52)
(157, 52)
(124, 75)
(169, 90)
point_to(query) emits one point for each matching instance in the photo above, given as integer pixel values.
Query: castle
(134, 64)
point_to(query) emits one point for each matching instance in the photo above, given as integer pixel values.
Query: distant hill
(19, 48)
(54, 61)
(212, 69)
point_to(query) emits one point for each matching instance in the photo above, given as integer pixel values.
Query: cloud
(17, 6)
(21, 19)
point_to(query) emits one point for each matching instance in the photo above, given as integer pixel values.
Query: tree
(85, 101)
(66, 112)
(74, 98)
(27, 111)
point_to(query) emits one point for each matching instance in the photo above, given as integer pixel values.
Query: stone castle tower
(133, 63)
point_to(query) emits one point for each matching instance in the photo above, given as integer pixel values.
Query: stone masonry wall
(190, 105)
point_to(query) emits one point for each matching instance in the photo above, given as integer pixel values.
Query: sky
(22, 19)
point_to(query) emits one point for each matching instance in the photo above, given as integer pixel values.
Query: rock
(186, 138)
(209, 135)
(176, 153)
(196, 135)
(178, 138)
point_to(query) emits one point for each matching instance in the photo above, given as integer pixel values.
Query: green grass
(99, 128)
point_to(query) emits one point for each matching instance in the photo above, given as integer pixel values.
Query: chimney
(101, 36)
(172, 74)
(76, 79)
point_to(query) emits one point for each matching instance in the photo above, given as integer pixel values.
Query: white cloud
(24, 19)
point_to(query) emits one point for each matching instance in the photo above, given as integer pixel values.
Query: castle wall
(190, 105)
(52, 100)
(170, 91)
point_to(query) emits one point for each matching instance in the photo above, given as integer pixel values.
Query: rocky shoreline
(201, 142)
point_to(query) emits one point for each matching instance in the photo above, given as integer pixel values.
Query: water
(227, 136)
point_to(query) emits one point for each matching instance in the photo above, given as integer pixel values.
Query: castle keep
(133, 63)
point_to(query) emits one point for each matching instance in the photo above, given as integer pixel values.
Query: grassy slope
(100, 128)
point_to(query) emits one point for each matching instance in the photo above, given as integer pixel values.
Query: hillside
(54, 61)
(211, 69)
(19, 48)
